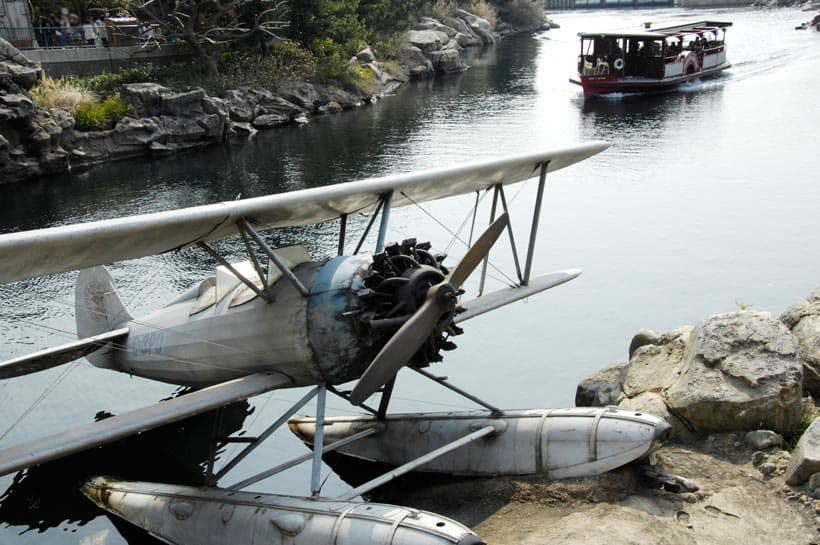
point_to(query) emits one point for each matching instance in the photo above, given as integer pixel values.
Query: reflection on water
(47, 496)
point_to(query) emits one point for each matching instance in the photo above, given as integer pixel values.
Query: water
(705, 201)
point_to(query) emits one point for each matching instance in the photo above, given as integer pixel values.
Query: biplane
(344, 324)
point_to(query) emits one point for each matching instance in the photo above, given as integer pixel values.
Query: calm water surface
(706, 200)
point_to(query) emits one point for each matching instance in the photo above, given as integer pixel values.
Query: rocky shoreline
(738, 389)
(36, 142)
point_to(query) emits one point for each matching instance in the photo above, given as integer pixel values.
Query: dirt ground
(734, 503)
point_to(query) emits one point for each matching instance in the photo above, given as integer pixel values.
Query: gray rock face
(418, 64)
(804, 320)
(805, 459)
(763, 439)
(20, 72)
(146, 98)
(480, 27)
(655, 367)
(426, 40)
(303, 94)
(447, 61)
(601, 389)
(741, 371)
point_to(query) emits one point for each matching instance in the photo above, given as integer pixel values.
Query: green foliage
(109, 83)
(286, 60)
(101, 115)
(522, 13)
(809, 413)
(360, 78)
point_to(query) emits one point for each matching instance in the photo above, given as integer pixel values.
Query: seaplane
(341, 324)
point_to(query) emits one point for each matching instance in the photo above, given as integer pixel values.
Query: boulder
(805, 459)
(642, 338)
(655, 367)
(480, 27)
(267, 121)
(146, 98)
(345, 99)
(447, 61)
(426, 40)
(469, 37)
(654, 404)
(136, 132)
(19, 69)
(741, 371)
(418, 64)
(365, 56)
(301, 94)
(188, 103)
(803, 319)
(763, 439)
(601, 389)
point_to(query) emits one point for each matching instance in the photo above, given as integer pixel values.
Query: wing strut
(536, 215)
(213, 253)
(280, 264)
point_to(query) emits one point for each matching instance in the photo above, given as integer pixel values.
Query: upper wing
(58, 249)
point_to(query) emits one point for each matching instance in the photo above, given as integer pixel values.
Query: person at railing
(102, 30)
(90, 32)
(65, 27)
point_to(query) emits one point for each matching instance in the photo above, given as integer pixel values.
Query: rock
(655, 367)
(601, 389)
(365, 56)
(418, 64)
(480, 27)
(136, 132)
(642, 338)
(803, 319)
(447, 61)
(331, 107)
(331, 93)
(740, 371)
(805, 459)
(266, 121)
(18, 69)
(146, 98)
(182, 104)
(303, 95)
(814, 481)
(240, 128)
(426, 40)
(15, 106)
(763, 439)
(470, 37)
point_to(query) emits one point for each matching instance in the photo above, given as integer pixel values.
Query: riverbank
(36, 142)
(741, 466)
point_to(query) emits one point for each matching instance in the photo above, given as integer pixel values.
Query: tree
(209, 26)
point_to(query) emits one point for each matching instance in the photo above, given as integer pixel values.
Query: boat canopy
(660, 33)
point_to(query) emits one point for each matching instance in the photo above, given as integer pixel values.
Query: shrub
(66, 94)
(101, 115)
(523, 13)
(108, 83)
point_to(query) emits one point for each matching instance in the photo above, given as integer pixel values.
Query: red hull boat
(651, 60)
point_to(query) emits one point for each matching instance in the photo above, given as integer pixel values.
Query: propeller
(434, 315)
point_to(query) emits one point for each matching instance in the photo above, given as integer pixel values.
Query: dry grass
(66, 94)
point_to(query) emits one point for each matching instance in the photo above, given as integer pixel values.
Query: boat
(650, 60)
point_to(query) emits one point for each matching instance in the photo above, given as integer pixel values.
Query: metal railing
(107, 35)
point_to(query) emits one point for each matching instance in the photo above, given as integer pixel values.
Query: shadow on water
(44, 497)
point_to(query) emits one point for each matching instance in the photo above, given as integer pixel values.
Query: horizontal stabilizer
(58, 355)
(139, 420)
(497, 299)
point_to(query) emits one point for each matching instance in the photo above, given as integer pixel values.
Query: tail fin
(98, 309)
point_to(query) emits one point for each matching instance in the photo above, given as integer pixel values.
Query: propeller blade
(477, 252)
(401, 346)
